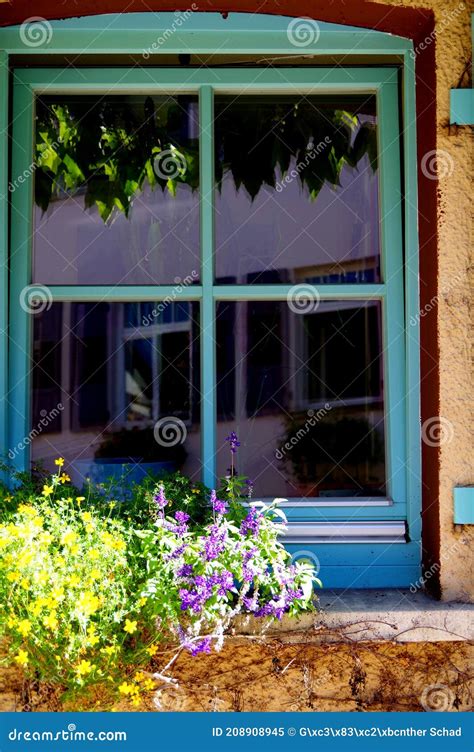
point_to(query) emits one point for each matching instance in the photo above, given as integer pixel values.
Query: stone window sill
(373, 615)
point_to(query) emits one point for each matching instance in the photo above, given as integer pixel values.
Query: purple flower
(234, 442)
(185, 571)
(224, 580)
(178, 552)
(181, 517)
(195, 647)
(218, 506)
(160, 498)
(251, 524)
(203, 646)
(249, 484)
(214, 544)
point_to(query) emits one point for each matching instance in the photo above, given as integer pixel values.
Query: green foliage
(110, 151)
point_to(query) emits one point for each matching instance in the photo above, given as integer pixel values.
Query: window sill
(373, 615)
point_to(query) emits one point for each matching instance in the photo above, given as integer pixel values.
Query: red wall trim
(412, 23)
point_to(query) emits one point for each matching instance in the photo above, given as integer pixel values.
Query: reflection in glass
(304, 393)
(116, 190)
(297, 189)
(116, 371)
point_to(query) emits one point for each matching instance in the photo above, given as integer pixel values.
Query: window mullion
(208, 357)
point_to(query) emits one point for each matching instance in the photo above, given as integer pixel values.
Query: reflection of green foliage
(110, 150)
(257, 143)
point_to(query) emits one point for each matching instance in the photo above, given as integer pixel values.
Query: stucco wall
(300, 674)
(453, 309)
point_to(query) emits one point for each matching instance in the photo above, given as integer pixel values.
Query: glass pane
(297, 189)
(116, 190)
(114, 397)
(304, 393)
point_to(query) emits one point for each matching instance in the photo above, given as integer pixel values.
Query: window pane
(297, 189)
(116, 190)
(112, 393)
(307, 397)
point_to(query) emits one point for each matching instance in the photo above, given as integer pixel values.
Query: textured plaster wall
(299, 675)
(454, 308)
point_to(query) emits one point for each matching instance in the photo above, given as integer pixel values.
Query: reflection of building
(126, 365)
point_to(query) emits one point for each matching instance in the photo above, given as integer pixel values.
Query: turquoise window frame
(397, 562)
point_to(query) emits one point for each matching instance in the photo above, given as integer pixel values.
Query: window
(215, 252)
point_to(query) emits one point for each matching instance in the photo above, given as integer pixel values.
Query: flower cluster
(224, 570)
(85, 593)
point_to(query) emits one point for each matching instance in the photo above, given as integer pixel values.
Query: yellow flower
(80, 498)
(25, 583)
(89, 528)
(74, 549)
(74, 580)
(51, 621)
(68, 538)
(94, 554)
(88, 603)
(47, 490)
(141, 602)
(152, 650)
(92, 638)
(59, 462)
(125, 688)
(130, 626)
(148, 685)
(35, 608)
(24, 627)
(109, 649)
(64, 478)
(22, 657)
(27, 509)
(136, 701)
(87, 517)
(84, 668)
(41, 577)
(13, 576)
(95, 574)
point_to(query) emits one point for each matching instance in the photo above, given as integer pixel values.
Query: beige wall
(454, 310)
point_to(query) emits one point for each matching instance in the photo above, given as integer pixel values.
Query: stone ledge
(373, 615)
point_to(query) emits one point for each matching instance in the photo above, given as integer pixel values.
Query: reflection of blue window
(361, 276)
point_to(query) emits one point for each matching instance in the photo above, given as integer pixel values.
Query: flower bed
(94, 590)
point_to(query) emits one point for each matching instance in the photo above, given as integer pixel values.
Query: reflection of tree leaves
(110, 148)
